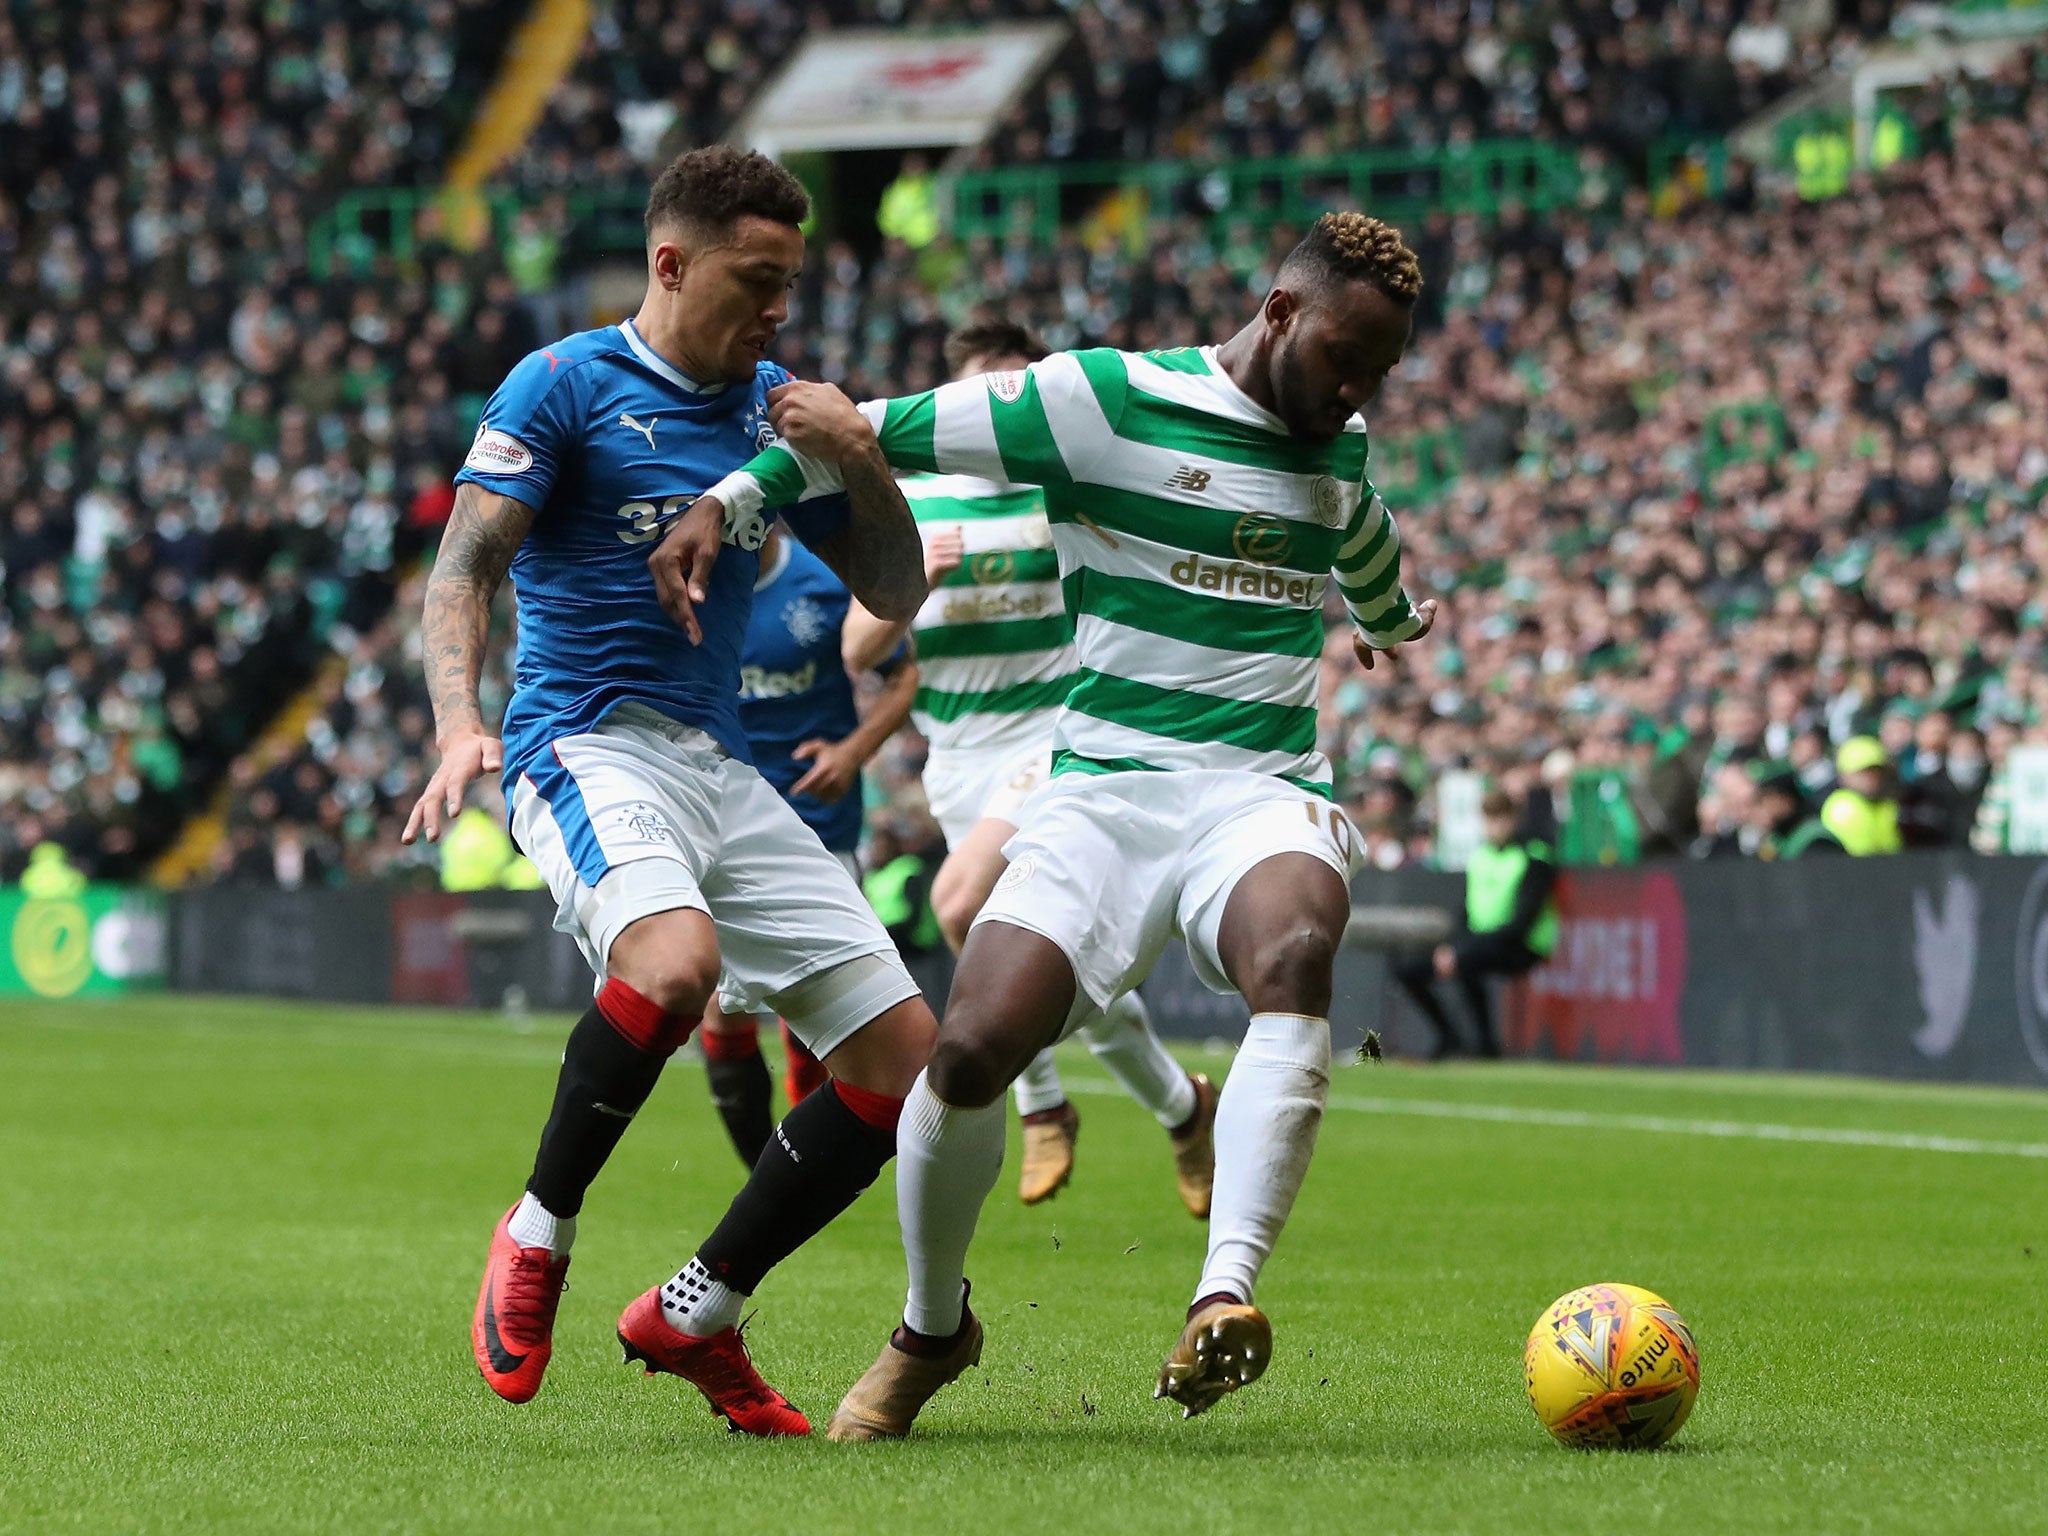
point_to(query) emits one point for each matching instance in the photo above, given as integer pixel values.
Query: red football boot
(717, 1366)
(515, 1315)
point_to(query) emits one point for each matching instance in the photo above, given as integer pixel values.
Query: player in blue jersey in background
(675, 865)
(810, 740)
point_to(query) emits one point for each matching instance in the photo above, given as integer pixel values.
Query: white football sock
(534, 1226)
(1266, 1124)
(1121, 1038)
(947, 1161)
(1039, 1087)
(698, 1303)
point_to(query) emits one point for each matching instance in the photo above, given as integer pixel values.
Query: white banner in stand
(879, 88)
(2026, 770)
(1459, 825)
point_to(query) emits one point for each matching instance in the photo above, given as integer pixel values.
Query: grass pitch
(242, 1240)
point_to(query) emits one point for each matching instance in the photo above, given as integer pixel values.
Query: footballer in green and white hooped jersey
(995, 646)
(1200, 503)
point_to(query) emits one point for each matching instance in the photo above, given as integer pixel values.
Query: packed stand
(208, 454)
(1876, 572)
(660, 76)
(1224, 80)
(330, 809)
(1614, 78)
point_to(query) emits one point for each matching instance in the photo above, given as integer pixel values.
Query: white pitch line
(1588, 1120)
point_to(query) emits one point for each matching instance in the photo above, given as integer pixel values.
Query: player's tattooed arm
(484, 532)
(879, 556)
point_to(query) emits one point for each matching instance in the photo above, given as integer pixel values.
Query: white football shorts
(1110, 866)
(645, 815)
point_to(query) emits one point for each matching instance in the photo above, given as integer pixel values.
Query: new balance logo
(646, 431)
(1187, 478)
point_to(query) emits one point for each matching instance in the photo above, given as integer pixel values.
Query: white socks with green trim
(1266, 1123)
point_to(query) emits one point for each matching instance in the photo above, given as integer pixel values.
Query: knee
(665, 963)
(681, 985)
(885, 1055)
(968, 1073)
(1291, 970)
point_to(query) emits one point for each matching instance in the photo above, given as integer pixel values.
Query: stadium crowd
(1224, 80)
(208, 453)
(1639, 584)
(1349, 74)
(659, 76)
(218, 466)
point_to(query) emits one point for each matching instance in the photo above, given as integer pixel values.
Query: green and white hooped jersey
(1195, 537)
(994, 647)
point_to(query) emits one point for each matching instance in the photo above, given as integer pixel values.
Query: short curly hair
(1355, 247)
(708, 190)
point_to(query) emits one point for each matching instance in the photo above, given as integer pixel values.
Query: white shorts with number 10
(1110, 866)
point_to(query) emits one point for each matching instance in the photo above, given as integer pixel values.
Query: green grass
(239, 1245)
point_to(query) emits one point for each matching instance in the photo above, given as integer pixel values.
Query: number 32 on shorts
(1325, 817)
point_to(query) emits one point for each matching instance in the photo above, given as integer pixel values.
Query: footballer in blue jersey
(677, 868)
(608, 441)
(810, 740)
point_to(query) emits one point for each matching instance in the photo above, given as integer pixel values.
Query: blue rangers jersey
(609, 444)
(794, 687)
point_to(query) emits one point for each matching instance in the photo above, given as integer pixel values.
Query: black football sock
(612, 1061)
(740, 1090)
(826, 1151)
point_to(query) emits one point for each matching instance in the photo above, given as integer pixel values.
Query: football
(1611, 1366)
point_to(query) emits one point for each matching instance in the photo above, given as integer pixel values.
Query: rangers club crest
(755, 423)
(805, 621)
(645, 823)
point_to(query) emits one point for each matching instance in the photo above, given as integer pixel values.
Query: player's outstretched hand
(833, 771)
(819, 421)
(1424, 610)
(682, 562)
(943, 552)
(467, 755)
